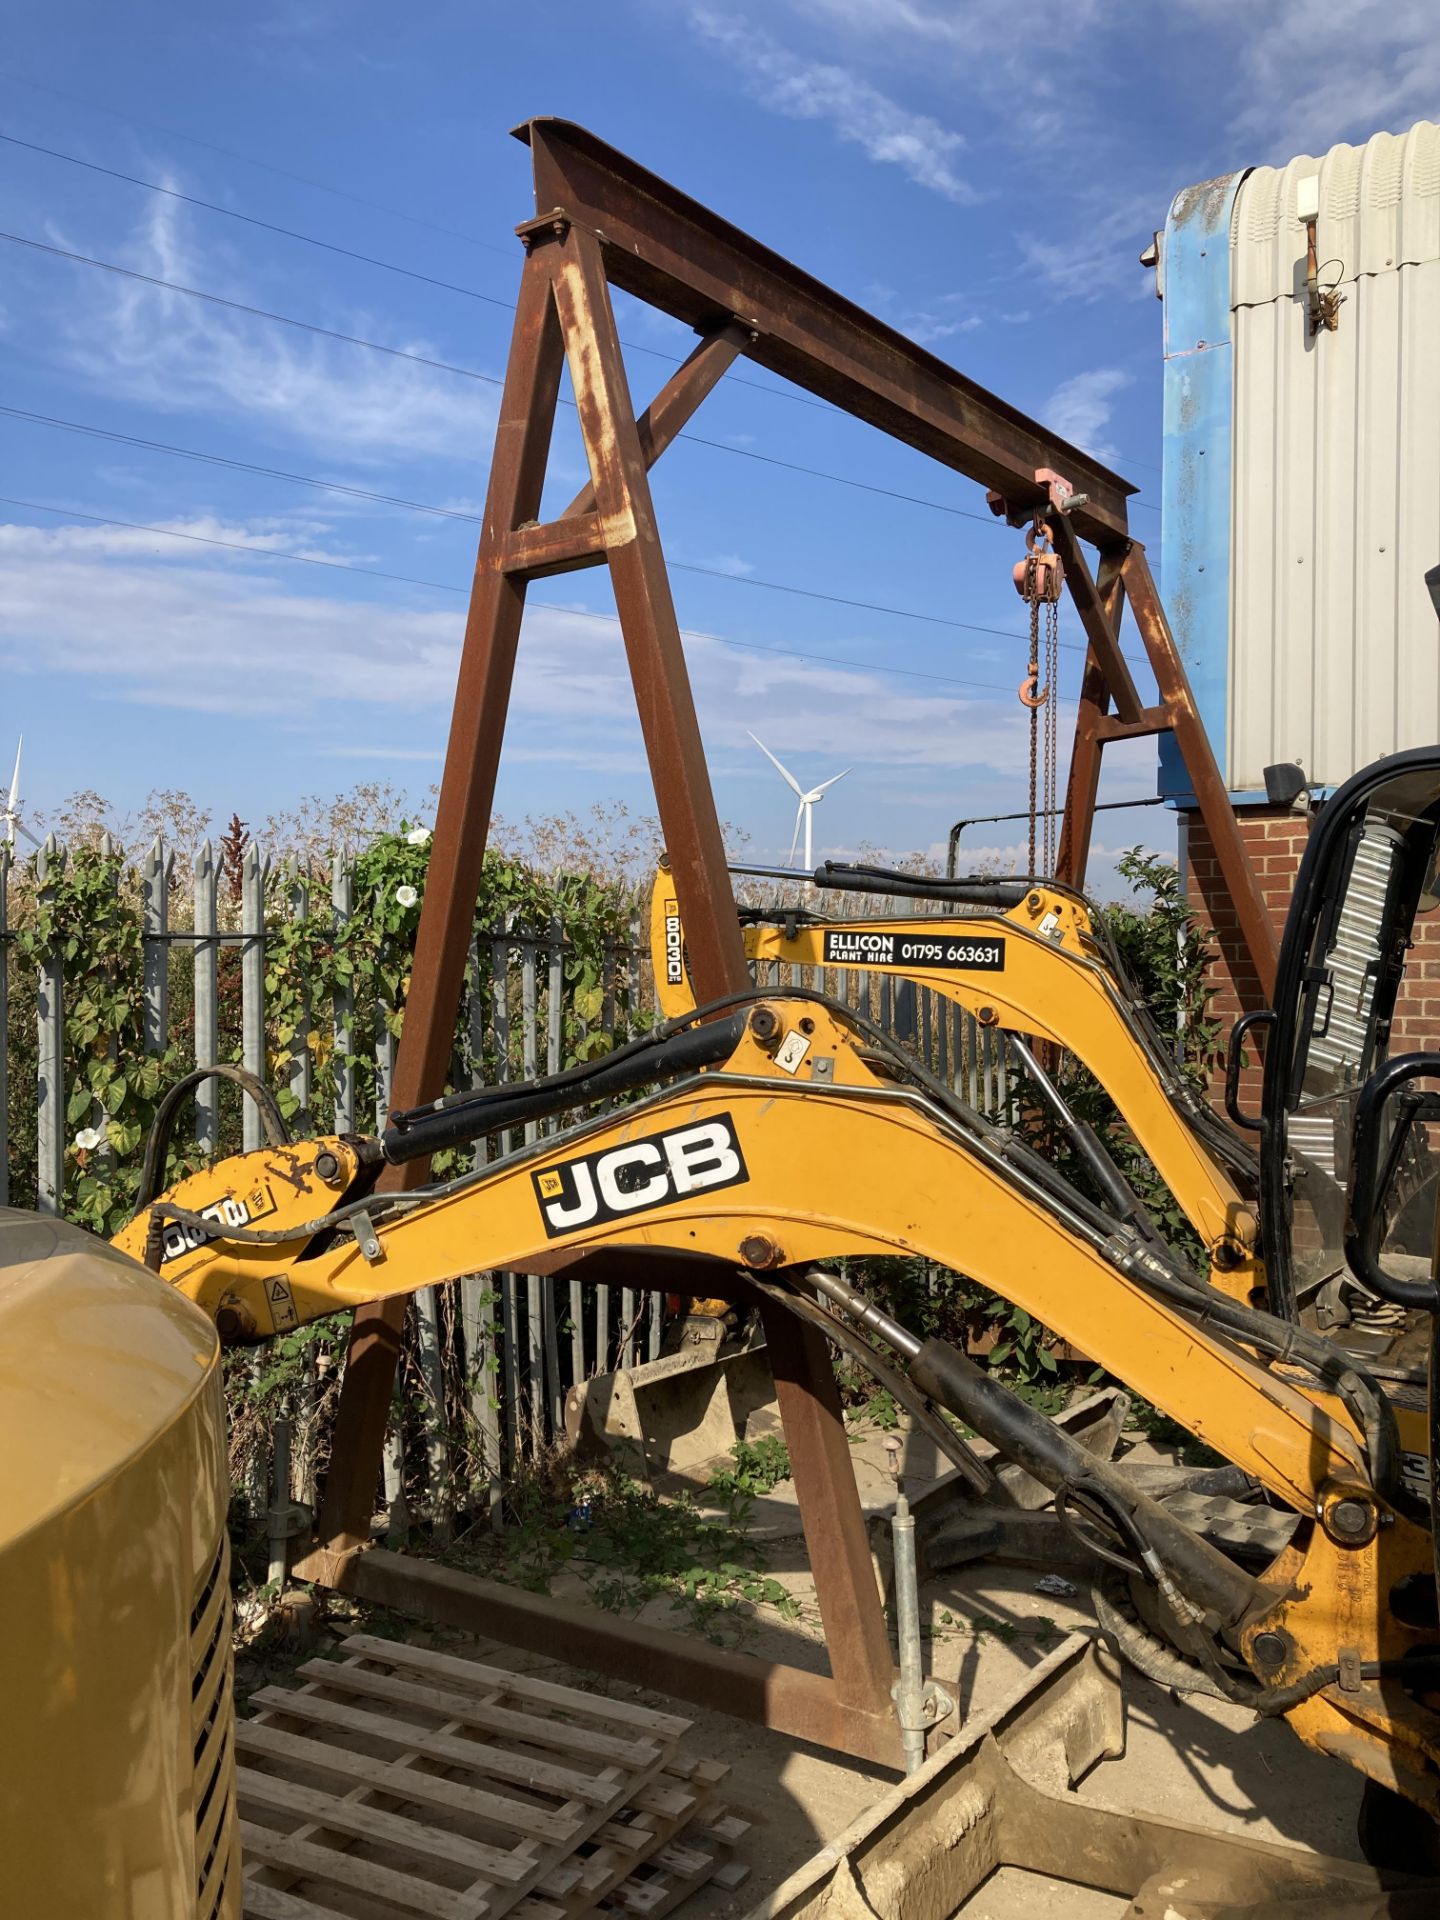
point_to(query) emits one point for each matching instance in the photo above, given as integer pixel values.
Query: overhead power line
(115, 436)
(468, 373)
(355, 199)
(446, 586)
(370, 259)
(253, 220)
(255, 313)
(265, 166)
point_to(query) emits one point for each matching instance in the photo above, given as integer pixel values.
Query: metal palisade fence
(117, 976)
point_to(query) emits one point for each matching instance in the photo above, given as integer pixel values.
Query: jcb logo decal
(640, 1174)
(674, 946)
(180, 1238)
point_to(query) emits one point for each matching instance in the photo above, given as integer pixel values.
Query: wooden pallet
(401, 1781)
(681, 1799)
(675, 1871)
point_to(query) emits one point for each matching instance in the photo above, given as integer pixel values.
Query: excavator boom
(797, 1134)
(1041, 970)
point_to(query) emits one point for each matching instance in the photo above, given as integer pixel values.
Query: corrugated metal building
(1302, 469)
(1302, 488)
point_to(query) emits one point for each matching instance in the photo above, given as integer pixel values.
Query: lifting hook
(1032, 694)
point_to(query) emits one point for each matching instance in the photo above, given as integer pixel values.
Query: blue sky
(986, 192)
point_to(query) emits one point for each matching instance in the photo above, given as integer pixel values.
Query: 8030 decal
(674, 946)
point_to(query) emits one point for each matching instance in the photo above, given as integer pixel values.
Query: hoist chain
(1052, 731)
(1038, 580)
(1034, 704)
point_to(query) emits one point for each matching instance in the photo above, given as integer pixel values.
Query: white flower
(418, 837)
(407, 896)
(88, 1138)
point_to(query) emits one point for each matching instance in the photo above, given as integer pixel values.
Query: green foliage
(882, 1410)
(332, 984)
(87, 917)
(1159, 1427)
(1167, 959)
(368, 959)
(1023, 1345)
(83, 918)
(759, 1468)
(626, 1546)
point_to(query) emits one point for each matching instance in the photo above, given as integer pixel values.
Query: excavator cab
(1351, 1253)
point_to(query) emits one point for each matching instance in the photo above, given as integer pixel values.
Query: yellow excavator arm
(792, 1132)
(1037, 972)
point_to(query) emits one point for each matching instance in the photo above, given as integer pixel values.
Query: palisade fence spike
(478, 1290)
(539, 1326)
(155, 946)
(508, 1284)
(207, 996)
(6, 859)
(300, 1076)
(50, 1043)
(253, 872)
(342, 907)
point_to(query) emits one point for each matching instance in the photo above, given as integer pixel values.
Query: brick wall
(1275, 839)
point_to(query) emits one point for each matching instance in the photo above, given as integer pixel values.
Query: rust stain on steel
(679, 256)
(789, 1699)
(1204, 202)
(1257, 930)
(619, 527)
(457, 854)
(835, 1534)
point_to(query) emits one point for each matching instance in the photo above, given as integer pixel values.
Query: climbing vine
(84, 915)
(334, 983)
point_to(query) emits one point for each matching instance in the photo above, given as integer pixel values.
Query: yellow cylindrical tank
(117, 1769)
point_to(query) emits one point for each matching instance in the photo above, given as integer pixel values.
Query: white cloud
(802, 89)
(180, 355)
(1090, 249)
(1036, 95)
(926, 328)
(350, 750)
(296, 537)
(937, 317)
(1079, 409)
(960, 25)
(1313, 72)
(153, 623)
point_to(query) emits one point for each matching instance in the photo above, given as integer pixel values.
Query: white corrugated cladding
(1334, 644)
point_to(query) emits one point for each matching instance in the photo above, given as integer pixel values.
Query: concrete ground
(1193, 1759)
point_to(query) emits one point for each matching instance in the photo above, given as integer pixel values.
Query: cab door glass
(1352, 986)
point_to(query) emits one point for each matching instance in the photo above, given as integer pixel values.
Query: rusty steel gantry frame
(603, 221)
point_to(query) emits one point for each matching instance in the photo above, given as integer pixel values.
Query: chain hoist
(1039, 578)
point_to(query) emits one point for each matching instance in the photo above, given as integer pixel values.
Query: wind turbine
(10, 812)
(808, 800)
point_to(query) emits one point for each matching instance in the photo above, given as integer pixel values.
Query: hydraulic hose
(899, 1385)
(1119, 1197)
(277, 1134)
(451, 1123)
(1356, 1389)
(841, 876)
(1047, 1452)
